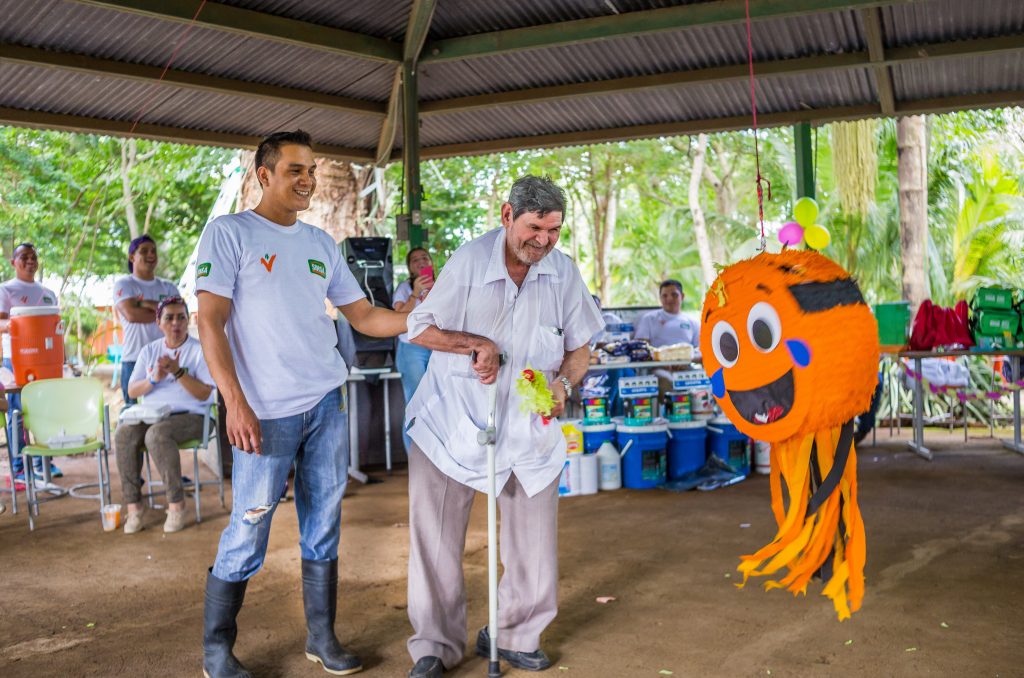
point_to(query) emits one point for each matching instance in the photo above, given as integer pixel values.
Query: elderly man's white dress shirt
(534, 325)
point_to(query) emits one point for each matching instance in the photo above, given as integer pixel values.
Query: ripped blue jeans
(316, 442)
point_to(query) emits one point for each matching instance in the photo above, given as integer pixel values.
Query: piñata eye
(764, 326)
(725, 343)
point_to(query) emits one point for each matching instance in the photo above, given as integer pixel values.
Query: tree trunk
(913, 196)
(700, 229)
(605, 199)
(129, 152)
(336, 206)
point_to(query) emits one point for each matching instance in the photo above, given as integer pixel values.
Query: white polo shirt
(137, 335)
(534, 325)
(283, 343)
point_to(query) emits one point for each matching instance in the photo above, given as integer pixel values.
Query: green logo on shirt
(47, 299)
(203, 270)
(317, 268)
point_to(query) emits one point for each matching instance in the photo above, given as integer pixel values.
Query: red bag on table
(936, 326)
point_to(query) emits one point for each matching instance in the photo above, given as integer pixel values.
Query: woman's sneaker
(175, 521)
(133, 523)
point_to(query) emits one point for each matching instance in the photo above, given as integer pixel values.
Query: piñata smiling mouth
(765, 404)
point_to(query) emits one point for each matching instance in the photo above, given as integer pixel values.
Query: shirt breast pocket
(547, 350)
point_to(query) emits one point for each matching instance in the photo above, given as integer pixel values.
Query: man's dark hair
(671, 283)
(269, 150)
(536, 194)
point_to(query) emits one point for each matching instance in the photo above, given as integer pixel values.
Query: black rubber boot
(223, 601)
(320, 600)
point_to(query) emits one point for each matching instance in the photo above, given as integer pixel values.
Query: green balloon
(805, 211)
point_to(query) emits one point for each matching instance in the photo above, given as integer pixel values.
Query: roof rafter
(632, 23)
(261, 25)
(186, 80)
(821, 115)
(74, 123)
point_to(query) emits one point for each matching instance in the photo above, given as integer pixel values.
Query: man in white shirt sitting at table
(668, 325)
(169, 371)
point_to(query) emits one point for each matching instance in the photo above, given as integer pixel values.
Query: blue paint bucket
(686, 447)
(596, 435)
(644, 464)
(728, 444)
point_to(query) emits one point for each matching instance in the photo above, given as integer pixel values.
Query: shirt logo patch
(203, 270)
(268, 262)
(47, 299)
(317, 268)
(24, 299)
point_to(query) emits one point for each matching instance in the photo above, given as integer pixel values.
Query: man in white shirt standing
(22, 290)
(136, 297)
(668, 325)
(262, 277)
(507, 292)
(169, 371)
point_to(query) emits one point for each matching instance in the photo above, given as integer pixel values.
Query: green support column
(411, 153)
(804, 160)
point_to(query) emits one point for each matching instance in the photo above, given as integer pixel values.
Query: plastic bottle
(610, 467)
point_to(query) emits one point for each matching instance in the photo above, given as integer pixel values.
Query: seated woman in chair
(169, 371)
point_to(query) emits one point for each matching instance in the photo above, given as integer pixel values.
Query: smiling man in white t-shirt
(668, 325)
(262, 277)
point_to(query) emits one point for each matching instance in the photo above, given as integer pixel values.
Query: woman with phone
(410, 359)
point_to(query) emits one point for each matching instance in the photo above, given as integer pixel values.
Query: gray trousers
(528, 591)
(162, 440)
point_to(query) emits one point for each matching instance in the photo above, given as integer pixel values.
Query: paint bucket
(643, 465)
(638, 410)
(762, 457)
(701, 402)
(677, 406)
(588, 474)
(686, 447)
(596, 410)
(569, 482)
(596, 435)
(728, 444)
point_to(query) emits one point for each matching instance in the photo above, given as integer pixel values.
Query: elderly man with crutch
(505, 294)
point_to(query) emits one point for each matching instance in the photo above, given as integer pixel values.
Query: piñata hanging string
(757, 156)
(174, 53)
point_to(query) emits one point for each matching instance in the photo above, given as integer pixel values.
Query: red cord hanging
(757, 156)
(153, 90)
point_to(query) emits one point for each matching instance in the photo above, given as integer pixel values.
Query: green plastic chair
(54, 408)
(209, 429)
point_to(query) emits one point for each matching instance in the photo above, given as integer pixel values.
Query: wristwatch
(567, 384)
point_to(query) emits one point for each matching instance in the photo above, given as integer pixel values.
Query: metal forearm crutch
(489, 437)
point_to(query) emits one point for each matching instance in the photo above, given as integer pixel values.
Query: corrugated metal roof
(964, 76)
(77, 28)
(641, 55)
(946, 20)
(385, 19)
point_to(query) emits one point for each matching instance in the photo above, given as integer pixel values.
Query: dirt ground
(944, 593)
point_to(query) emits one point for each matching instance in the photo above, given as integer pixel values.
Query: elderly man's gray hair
(536, 194)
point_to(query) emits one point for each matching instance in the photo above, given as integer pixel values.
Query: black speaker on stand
(369, 260)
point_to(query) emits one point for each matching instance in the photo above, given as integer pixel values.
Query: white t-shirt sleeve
(5, 300)
(219, 259)
(402, 294)
(694, 333)
(445, 306)
(343, 288)
(124, 288)
(143, 362)
(582, 319)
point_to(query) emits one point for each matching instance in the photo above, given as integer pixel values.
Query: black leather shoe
(527, 661)
(320, 600)
(427, 667)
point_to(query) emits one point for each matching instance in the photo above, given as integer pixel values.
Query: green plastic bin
(993, 298)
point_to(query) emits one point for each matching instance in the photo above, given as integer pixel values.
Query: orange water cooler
(37, 343)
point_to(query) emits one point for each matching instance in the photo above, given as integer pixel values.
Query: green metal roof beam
(261, 25)
(632, 23)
